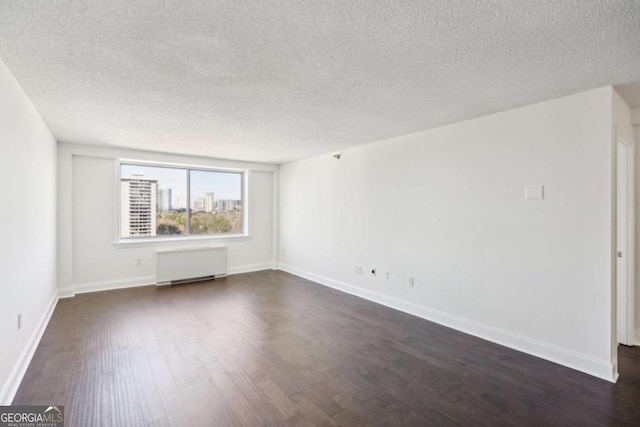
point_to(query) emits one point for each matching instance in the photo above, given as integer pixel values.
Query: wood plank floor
(270, 348)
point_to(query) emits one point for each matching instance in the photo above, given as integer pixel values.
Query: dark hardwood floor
(270, 348)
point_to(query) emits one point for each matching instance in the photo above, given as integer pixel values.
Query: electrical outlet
(19, 320)
(412, 282)
(358, 269)
(138, 261)
(373, 272)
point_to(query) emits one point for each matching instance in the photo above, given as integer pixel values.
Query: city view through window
(165, 201)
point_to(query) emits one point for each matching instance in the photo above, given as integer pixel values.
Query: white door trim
(626, 243)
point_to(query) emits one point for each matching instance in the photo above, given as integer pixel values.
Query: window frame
(120, 241)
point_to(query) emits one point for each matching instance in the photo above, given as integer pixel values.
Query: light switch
(534, 192)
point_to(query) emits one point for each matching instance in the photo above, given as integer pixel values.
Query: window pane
(153, 201)
(216, 202)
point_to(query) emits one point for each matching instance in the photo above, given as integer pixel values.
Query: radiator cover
(178, 265)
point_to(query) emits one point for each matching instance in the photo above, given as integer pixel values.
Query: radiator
(179, 265)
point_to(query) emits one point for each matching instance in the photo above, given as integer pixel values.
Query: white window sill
(164, 241)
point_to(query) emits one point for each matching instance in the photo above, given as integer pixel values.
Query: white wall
(447, 207)
(90, 260)
(27, 255)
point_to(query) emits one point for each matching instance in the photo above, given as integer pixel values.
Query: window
(157, 201)
(216, 202)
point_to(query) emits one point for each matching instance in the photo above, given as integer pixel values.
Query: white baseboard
(66, 292)
(145, 281)
(10, 387)
(114, 284)
(250, 268)
(599, 368)
(637, 338)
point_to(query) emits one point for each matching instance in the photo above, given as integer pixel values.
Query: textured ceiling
(277, 80)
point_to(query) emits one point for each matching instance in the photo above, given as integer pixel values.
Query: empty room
(330, 213)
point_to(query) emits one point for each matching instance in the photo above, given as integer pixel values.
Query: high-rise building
(179, 202)
(198, 204)
(209, 204)
(138, 196)
(227, 204)
(164, 199)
